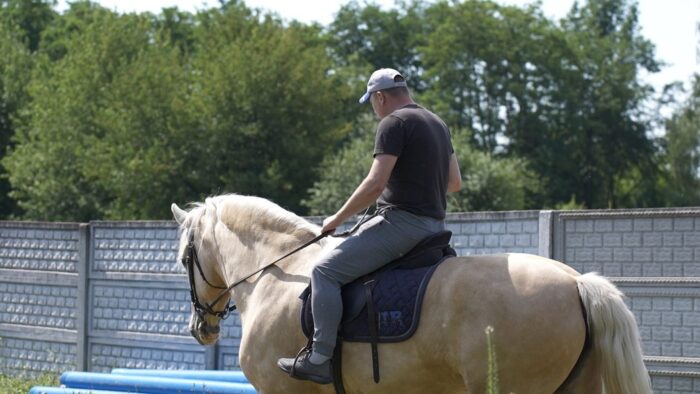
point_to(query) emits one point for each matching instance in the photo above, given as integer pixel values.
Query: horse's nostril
(213, 329)
(208, 329)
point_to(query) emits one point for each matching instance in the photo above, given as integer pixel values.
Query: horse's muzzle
(204, 333)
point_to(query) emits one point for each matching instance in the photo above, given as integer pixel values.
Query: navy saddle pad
(397, 291)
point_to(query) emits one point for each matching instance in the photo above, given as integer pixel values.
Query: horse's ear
(178, 213)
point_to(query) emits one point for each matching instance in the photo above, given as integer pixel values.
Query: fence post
(546, 228)
(82, 315)
(210, 356)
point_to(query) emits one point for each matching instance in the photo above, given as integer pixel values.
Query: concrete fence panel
(139, 299)
(494, 232)
(653, 256)
(110, 294)
(39, 306)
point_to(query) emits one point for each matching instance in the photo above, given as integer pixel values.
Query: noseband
(190, 260)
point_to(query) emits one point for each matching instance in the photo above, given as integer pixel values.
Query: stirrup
(304, 349)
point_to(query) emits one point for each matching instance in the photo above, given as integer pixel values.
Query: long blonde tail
(615, 336)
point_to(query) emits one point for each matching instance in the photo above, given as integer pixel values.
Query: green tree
(607, 125)
(490, 69)
(142, 154)
(15, 72)
(343, 170)
(132, 112)
(368, 38)
(57, 36)
(113, 116)
(22, 23)
(59, 169)
(31, 17)
(489, 183)
(268, 106)
(568, 99)
(683, 151)
(179, 27)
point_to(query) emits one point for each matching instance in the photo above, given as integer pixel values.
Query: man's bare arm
(366, 193)
(454, 183)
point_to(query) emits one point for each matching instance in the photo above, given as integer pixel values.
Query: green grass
(21, 385)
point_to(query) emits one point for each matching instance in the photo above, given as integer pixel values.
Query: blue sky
(670, 24)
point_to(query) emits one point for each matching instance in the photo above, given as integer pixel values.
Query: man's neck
(400, 103)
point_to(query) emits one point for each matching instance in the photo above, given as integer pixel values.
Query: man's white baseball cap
(380, 80)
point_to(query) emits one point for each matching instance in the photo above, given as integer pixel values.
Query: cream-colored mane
(239, 213)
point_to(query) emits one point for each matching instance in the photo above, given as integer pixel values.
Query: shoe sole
(313, 378)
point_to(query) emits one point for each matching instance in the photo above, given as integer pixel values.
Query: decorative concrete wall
(494, 232)
(110, 294)
(139, 299)
(653, 256)
(39, 301)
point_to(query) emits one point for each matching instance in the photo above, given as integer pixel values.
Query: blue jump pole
(64, 390)
(151, 384)
(218, 376)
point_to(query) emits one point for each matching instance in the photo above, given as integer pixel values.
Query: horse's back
(531, 303)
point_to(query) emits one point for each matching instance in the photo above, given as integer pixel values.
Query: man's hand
(330, 224)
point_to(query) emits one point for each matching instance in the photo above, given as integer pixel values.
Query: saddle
(383, 306)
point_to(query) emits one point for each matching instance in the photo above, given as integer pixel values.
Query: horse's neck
(247, 249)
(255, 249)
(273, 294)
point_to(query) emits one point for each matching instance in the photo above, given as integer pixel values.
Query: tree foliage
(566, 97)
(490, 183)
(80, 133)
(133, 116)
(18, 33)
(266, 105)
(342, 171)
(610, 126)
(369, 37)
(29, 17)
(107, 115)
(683, 151)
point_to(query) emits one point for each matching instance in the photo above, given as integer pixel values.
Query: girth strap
(373, 329)
(337, 367)
(336, 361)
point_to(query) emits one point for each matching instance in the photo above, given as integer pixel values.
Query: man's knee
(322, 273)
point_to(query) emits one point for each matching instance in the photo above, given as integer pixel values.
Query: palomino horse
(535, 306)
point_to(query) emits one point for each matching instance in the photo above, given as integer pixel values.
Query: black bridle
(190, 260)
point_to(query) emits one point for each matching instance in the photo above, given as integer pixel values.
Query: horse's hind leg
(585, 378)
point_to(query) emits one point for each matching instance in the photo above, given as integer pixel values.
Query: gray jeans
(381, 240)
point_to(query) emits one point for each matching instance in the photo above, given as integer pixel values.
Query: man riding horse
(413, 169)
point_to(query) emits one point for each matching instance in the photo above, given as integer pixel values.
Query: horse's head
(228, 241)
(199, 255)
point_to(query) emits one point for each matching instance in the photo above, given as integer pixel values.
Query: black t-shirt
(421, 141)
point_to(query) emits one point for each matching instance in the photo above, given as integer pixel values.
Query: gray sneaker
(301, 368)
